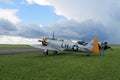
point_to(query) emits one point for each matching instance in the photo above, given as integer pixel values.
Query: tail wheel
(75, 47)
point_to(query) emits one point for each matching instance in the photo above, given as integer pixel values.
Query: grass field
(8, 46)
(65, 66)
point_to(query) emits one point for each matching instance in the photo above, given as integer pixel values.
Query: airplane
(56, 45)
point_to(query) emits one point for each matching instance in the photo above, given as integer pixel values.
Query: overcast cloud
(86, 19)
(9, 14)
(104, 13)
(64, 29)
(82, 10)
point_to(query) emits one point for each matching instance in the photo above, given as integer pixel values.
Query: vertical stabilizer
(95, 47)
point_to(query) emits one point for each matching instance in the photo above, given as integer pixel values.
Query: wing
(44, 47)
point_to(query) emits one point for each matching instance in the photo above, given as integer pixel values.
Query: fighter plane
(56, 45)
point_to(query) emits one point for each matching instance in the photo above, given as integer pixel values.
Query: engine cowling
(43, 41)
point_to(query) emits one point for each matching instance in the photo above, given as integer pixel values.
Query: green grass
(115, 45)
(65, 66)
(6, 46)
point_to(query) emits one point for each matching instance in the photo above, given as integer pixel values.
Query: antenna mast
(53, 36)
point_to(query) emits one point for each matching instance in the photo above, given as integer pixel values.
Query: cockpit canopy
(84, 43)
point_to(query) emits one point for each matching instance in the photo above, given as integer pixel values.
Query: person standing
(102, 49)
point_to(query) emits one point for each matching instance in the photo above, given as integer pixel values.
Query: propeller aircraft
(56, 45)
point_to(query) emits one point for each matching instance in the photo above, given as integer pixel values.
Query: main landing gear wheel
(88, 54)
(45, 52)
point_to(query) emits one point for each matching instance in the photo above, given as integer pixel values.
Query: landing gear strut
(45, 52)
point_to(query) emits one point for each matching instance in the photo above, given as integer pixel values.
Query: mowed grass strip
(67, 65)
(10, 47)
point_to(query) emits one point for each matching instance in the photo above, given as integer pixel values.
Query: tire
(88, 54)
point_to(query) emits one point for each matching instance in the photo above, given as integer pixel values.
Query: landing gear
(88, 54)
(55, 52)
(45, 52)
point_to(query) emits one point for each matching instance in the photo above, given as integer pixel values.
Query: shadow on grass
(67, 53)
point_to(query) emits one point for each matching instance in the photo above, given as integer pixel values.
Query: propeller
(43, 41)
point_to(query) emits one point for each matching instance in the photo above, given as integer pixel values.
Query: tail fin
(95, 47)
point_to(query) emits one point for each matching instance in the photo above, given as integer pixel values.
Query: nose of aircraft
(43, 41)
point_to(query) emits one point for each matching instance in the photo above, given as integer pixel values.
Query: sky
(26, 21)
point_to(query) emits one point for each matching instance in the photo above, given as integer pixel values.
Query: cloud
(115, 14)
(16, 40)
(23, 30)
(71, 29)
(10, 15)
(104, 16)
(86, 19)
(80, 30)
(64, 29)
(82, 10)
(30, 31)
(6, 27)
(40, 2)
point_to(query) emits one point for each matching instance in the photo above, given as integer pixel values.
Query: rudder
(95, 47)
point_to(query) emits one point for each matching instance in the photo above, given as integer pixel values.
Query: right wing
(44, 47)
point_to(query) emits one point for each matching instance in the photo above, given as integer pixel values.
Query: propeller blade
(43, 41)
(39, 40)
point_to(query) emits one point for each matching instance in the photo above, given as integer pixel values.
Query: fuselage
(68, 45)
